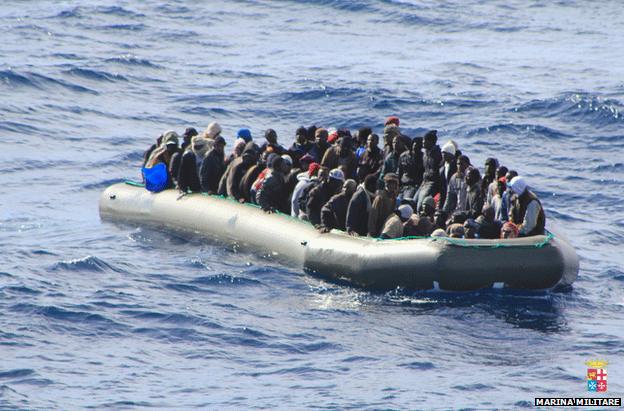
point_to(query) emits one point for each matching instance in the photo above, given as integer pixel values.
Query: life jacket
(519, 211)
(156, 177)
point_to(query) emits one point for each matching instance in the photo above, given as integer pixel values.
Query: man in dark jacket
(271, 141)
(239, 165)
(432, 161)
(360, 206)
(321, 194)
(320, 145)
(334, 212)
(176, 158)
(391, 161)
(383, 205)
(411, 169)
(188, 174)
(342, 156)
(527, 211)
(271, 195)
(213, 167)
(474, 198)
(150, 150)
(300, 147)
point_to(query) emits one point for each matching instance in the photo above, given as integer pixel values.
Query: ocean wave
(118, 11)
(39, 81)
(16, 373)
(225, 279)
(529, 130)
(123, 27)
(19, 128)
(100, 185)
(89, 263)
(131, 60)
(96, 75)
(62, 314)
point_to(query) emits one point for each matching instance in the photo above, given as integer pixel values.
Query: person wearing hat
(334, 212)
(304, 179)
(527, 211)
(393, 227)
(432, 161)
(457, 190)
(360, 206)
(191, 162)
(245, 134)
(449, 167)
(213, 167)
(383, 204)
(321, 194)
(390, 131)
(371, 160)
(176, 158)
(212, 131)
(422, 225)
(392, 120)
(161, 155)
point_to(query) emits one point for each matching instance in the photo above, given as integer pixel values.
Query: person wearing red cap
(392, 120)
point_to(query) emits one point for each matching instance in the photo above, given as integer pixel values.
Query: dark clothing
(188, 178)
(474, 200)
(334, 212)
(239, 168)
(148, 153)
(418, 226)
(383, 205)
(519, 211)
(296, 151)
(211, 171)
(248, 179)
(174, 166)
(488, 229)
(410, 170)
(290, 183)
(333, 158)
(317, 198)
(445, 177)
(318, 151)
(432, 160)
(357, 212)
(390, 165)
(277, 148)
(270, 196)
(369, 163)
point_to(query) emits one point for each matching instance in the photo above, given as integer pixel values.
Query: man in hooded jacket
(334, 212)
(360, 206)
(188, 175)
(213, 167)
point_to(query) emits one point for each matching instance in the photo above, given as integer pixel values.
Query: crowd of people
(338, 180)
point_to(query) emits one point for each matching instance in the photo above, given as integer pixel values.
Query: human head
(390, 131)
(397, 145)
(188, 134)
(336, 180)
(518, 185)
(417, 144)
(213, 130)
(239, 147)
(509, 230)
(510, 174)
(491, 164)
(473, 176)
(349, 187)
(501, 185)
(170, 141)
(463, 162)
(321, 135)
(323, 174)
(219, 144)
(392, 120)
(391, 181)
(405, 212)
(277, 164)
(363, 134)
(301, 135)
(304, 162)
(448, 151)
(313, 169)
(456, 230)
(370, 183)
(428, 206)
(287, 163)
(311, 133)
(200, 145)
(245, 134)
(430, 139)
(488, 213)
(249, 156)
(372, 141)
(332, 137)
(501, 172)
(345, 145)
(270, 136)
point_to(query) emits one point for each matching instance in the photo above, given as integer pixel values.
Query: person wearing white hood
(192, 159)
(527, 211)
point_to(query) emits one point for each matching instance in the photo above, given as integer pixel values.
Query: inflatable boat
(536, 263)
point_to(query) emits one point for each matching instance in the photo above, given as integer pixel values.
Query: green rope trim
(462, 242)
(134, 183)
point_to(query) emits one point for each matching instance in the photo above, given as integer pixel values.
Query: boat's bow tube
(538, 262)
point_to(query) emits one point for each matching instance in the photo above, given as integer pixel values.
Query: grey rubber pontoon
(539, 262)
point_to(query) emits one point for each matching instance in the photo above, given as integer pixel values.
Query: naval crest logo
(597, 375)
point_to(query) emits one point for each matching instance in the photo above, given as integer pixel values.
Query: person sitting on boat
(321, 194)
(212, 131)
(262, 175)
(301, 146)
(496, 202)
(509, 230)
(474, 196)
(320, 145)
(383, 204)
(506, 201)
(362, 140)
(148, 153)
(334, 212)
(360, 205)
(341, 155)
(239, 167)
(422, 224)
(292, 178)
(393, 227)
(457, 191)
(176, 158)
(159, 178)
(213, 167)
(188, 175)
(371, 160)
(489, 175)
(271, 141)
(487, 225)
(527, 211)
(432, 161)
(271, 196)
(237, 151)
(304, 180)
(411, 169)
(252, 174)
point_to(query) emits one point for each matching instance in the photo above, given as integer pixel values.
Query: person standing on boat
(362, 139)
(213, 167)
(411, 169)
(527, 211)
(321, 194)
(457, 191)
(448, 168)
(334, 212)
(432, 161)
(391, 161)
(271, 141)
(301, 146)
(320, 145)
(383, 204)
(370, 161)
(360, 206)
(341, 155)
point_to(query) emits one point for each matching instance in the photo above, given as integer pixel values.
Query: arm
(530, 218)
(327, 215)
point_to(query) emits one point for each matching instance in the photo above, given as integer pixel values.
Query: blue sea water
(94, 315)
